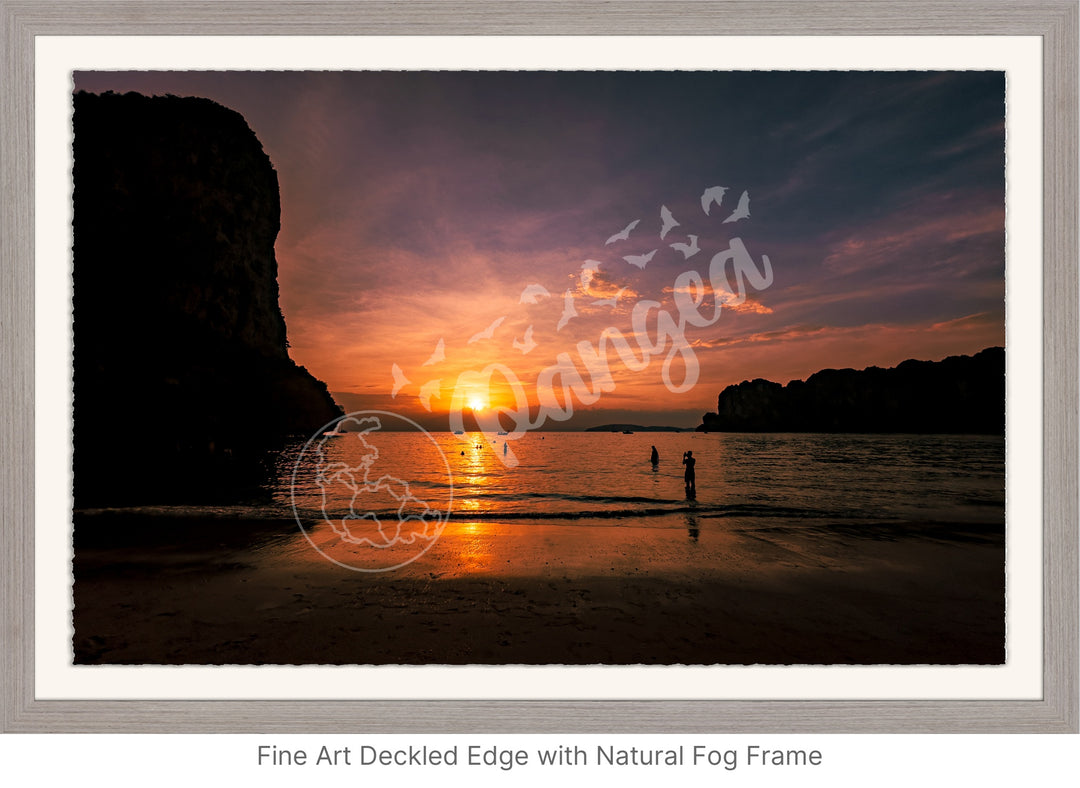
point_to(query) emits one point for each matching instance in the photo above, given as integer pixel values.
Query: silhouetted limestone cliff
(961, 394)
(182, 377)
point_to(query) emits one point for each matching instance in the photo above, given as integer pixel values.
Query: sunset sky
(417, 207)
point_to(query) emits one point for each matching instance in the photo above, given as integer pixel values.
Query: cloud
(751, 305)
(987, 326)
(924, 236)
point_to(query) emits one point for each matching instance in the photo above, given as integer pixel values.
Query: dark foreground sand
(154, 589)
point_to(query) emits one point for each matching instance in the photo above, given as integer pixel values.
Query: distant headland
(636, 428)
(958, 395)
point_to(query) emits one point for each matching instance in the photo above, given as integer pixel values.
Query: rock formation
(961, 394)
(183, 385)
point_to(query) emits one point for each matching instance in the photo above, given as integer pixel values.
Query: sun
(476, 403)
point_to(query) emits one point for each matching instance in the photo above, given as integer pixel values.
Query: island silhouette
(962, 395)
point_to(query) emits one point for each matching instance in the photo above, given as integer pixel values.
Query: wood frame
(1054, 20)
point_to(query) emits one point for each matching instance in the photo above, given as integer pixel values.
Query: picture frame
(1054, 21)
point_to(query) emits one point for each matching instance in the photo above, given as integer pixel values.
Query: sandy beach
(153, 589)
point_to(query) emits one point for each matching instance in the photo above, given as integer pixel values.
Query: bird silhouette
(688, 250)
(525, 345)
(533, 293)
(400, 381)
(610, 301)
(487, 333)
(438, 355)
(428, 391)
(742, 210)
(568, 310)
(640, 260)
(711, 195)
(668, 220)
(623, 234)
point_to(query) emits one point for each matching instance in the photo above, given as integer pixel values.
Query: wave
(525, 496)
(616, 513)
(623, 514)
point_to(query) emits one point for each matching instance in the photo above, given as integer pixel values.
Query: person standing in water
(689, 476)
(655, 459)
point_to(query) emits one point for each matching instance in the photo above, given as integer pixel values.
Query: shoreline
(217, 591)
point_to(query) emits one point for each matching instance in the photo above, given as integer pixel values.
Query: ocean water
(608, 478)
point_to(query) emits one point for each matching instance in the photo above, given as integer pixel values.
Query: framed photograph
(614, 367)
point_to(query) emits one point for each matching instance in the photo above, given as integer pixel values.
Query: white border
(57, 57)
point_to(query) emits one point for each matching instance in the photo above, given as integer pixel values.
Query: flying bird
(610, 301)
(438, 355)
(400, 381)
(668, 220)
(568, 310)
(487, 333)
(623, 234)
(688, 250)
(533, 293)
(525, 345)
(429, 390)
(640, 260)
(742, 210)
(711, 195)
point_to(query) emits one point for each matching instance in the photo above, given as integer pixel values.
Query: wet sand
(153, 589)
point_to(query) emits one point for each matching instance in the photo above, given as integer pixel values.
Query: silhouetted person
(689, 476)
(655, 460)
